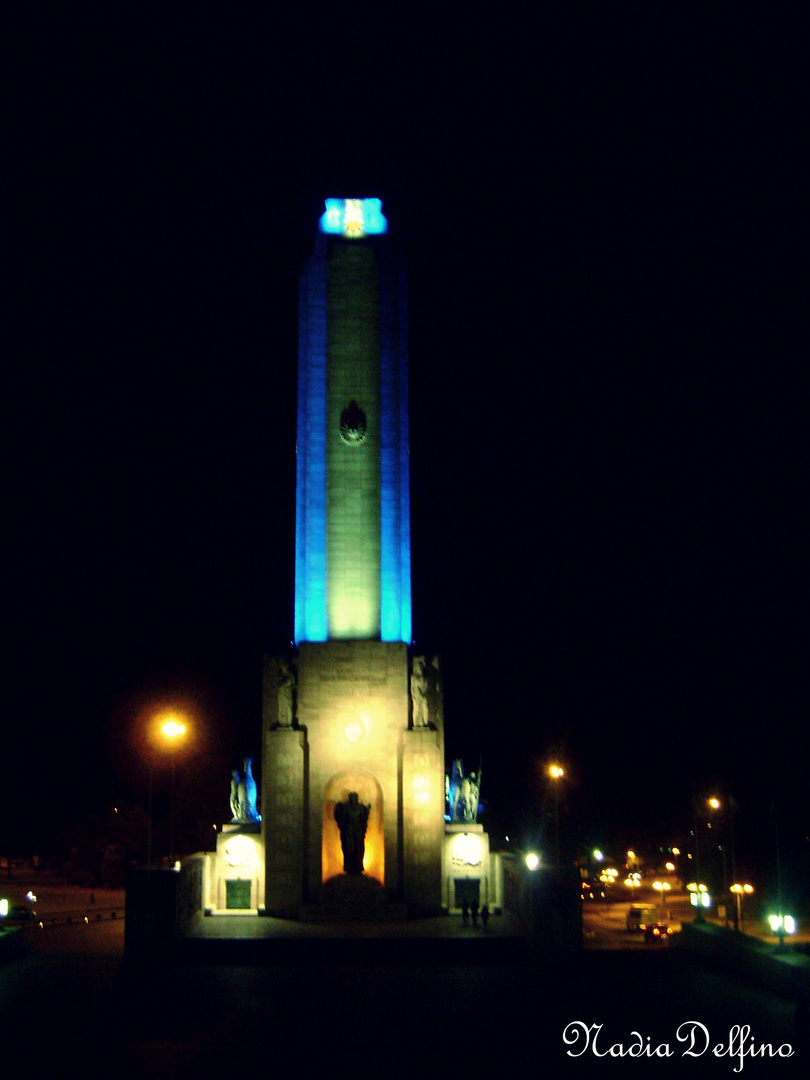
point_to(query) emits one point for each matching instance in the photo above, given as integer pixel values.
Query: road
(605, 925)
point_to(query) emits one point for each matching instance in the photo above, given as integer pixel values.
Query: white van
(640, 916)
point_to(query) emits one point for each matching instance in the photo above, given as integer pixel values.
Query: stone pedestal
(238, 881)
(469, 871)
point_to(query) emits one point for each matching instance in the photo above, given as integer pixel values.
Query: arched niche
(370, 793)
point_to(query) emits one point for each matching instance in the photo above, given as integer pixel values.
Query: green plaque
(237, 894)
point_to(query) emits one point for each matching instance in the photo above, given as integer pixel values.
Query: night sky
(602, 212)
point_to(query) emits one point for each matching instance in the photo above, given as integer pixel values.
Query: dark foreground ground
(373, 1007)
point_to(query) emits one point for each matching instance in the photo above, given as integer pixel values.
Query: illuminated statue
(243, 796)
(352, 820)
(286, 681)
(235, 795)
(250, 792)
(419, 692)
(463, 795)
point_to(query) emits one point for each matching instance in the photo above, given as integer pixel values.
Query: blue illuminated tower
(350, 715)
(352, 572)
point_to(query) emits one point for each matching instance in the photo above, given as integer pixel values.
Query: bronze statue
(352, 820)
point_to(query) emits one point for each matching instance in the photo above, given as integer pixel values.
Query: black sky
(602, 210)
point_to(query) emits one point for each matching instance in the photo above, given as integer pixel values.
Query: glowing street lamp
(167, 733)
(740, 891)
(661, 887)
(556, 772)
(713, 803)
(699, 897)
(781, 925)
(173, 730)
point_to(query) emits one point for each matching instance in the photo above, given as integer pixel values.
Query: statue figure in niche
(243, 796)
(352, 820)
(286, 683)
(469, 798)
(463, 793)
(419, 692)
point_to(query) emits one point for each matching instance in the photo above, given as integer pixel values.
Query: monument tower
(353, 742)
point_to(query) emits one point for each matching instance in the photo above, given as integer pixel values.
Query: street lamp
(556, 772)
(166, 732)
(715, 804)
(173, 730)
(739, 891)
(699, 916)
(699, 897)
(661, 887)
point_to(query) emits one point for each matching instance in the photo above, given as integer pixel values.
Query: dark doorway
(466, 889)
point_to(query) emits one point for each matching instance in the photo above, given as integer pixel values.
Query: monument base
(352, 898)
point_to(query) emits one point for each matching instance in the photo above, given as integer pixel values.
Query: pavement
(359, 998)
(214, 927)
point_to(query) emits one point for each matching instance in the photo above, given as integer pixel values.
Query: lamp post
(699, 916)
(738, 891)
(556, 772)
(661, 887)
(712, 803)
(715, 804)
(173, 729)
(166, 733)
